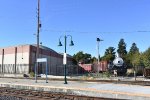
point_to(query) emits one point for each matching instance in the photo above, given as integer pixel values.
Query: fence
(57, 70)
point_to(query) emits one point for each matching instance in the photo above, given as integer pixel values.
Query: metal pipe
(46, 72)
(98, 55)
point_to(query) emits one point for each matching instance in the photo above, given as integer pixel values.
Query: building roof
(44, 47)
(40, 46)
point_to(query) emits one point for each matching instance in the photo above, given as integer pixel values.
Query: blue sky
(85, 20)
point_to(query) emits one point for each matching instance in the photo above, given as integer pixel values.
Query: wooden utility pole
(38, 31)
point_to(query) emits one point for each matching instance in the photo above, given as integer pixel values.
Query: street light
(98, 40)
(65, 55)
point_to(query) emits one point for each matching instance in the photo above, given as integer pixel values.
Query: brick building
(21, 60)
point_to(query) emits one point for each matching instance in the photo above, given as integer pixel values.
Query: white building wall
(23, 58)
(9, 59)
(22, 63)
(0, 59)
(9, 62)
(13, 62)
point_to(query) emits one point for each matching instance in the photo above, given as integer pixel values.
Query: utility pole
(38, 31)
(98, 50)
(98, 40)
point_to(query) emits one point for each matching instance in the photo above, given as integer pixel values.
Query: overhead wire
(89, 32)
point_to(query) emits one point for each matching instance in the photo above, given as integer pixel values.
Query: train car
(86, 67)
(103, 66)
(117, 65)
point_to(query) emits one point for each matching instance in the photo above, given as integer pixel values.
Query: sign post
(43, 60)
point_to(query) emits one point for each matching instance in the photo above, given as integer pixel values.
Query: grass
(96, 75)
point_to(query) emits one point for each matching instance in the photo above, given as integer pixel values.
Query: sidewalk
(97, 89)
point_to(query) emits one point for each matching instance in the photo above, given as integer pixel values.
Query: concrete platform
(96, 89)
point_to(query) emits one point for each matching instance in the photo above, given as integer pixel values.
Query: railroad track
(15, 94)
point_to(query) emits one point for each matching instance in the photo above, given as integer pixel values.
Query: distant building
(21, 60)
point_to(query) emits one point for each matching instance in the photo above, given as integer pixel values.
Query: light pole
(65, 55)
(98, 40)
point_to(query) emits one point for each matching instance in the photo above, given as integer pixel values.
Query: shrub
(32, 74)
(107, 74)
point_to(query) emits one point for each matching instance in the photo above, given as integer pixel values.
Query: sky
(84, 20)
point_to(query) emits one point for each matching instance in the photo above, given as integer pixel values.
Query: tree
(137, 59)
(81, 57)
(146, 58)
(93, 60)
(109, 54)
(87, 58)
(133, 58)
(122, 48)
(133, 49)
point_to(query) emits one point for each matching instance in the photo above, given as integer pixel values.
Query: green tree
(87, 58)
(81, 57)
(136, 59)
(134, 49)
(133, 57)
(146, 58)
(93, 60)
(109, 54)
(122, 49)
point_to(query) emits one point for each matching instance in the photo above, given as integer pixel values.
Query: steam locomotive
(117, 64)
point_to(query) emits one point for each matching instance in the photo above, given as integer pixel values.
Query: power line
(89, 32)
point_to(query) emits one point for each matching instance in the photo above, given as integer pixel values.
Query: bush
(130, 72)
(139, 73)
(107, 74)
(32, 74)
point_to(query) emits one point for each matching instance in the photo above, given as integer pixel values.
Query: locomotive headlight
(118, 61)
